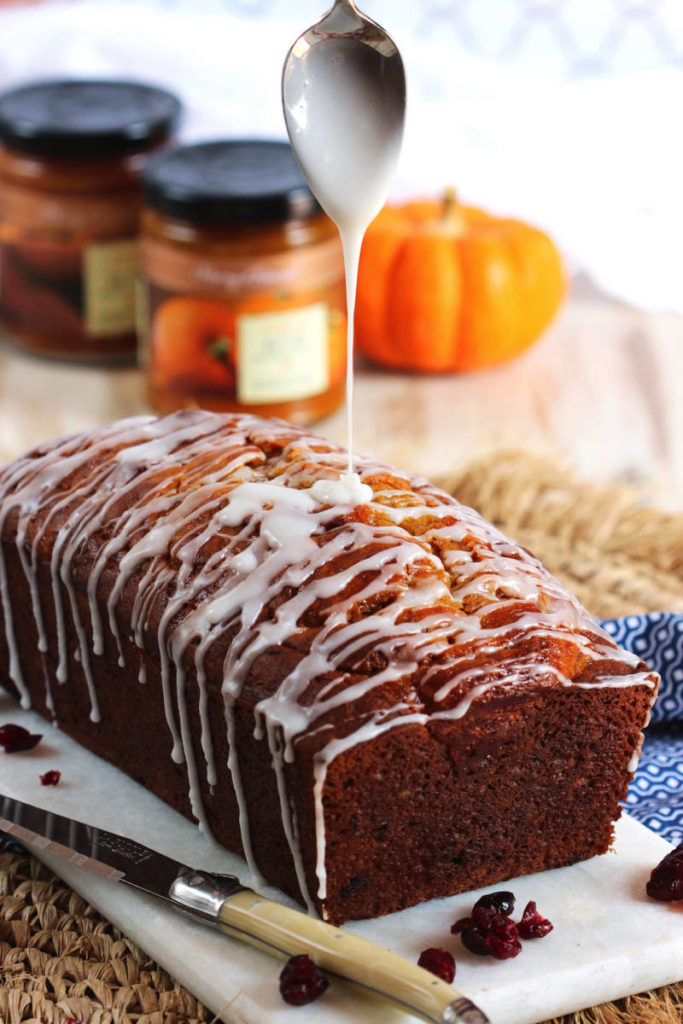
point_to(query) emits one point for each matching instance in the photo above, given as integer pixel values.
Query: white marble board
(609, 939)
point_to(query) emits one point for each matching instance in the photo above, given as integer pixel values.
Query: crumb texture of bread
(375, 704)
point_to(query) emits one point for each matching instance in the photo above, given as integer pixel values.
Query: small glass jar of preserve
(71, 153)
(242, 301)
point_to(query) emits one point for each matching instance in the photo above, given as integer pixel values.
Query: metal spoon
(344, 94)
(344, 18)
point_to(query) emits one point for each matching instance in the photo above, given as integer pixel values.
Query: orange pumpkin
(193, 341)
(449, 287)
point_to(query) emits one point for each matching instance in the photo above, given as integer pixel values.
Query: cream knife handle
(286, 932)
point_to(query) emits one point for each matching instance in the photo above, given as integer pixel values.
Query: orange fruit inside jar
(242, 300)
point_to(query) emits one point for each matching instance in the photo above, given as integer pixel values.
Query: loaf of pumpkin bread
(375, 697)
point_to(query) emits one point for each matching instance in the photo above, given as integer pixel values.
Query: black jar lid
(75, 118)
(229, 183)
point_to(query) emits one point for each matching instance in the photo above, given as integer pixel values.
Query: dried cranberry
(502, 902)
(666, 881)
(301, 982)
(488, 933)
(50, 778)
(439, 961)
(533, 925)
(465, 925)
(15, 737)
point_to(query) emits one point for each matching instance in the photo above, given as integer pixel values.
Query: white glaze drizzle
(215, 523)
(347, 490)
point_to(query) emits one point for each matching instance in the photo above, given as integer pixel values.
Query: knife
(222, 901)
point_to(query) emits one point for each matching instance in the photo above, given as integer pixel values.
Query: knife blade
(222, 901)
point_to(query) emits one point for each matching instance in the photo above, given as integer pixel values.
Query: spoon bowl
(344, 100)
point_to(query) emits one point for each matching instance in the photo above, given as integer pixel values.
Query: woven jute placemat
(59, 958)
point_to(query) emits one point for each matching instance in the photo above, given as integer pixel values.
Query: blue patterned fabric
(656, 794)
(655, 797)
(657, 638)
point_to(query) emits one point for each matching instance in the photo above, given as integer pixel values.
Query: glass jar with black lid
(242, 284)
(71, 153)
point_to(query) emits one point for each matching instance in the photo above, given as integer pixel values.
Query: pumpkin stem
(451, 219)
(220, 348)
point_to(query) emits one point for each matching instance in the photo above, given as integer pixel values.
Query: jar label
(142, 321)
(283, 356)
(110, 271)
(233, 277)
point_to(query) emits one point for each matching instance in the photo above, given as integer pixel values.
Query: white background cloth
(567, 114)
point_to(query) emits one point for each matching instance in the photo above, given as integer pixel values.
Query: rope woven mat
(59, 958)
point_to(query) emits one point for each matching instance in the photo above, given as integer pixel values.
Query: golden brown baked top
(211, 515)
